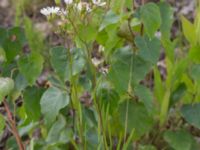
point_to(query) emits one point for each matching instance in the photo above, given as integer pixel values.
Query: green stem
(74, 98)
(93, 72)
(164, 107)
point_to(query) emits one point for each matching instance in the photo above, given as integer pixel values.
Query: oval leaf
(6, 86)
(151, 18)
(52, 101)
(191, 113)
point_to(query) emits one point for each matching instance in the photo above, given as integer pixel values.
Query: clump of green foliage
(96, 94)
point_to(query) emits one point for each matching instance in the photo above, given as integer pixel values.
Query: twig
(13, 126)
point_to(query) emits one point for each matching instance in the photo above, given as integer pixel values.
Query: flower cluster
(79, 6)
(98, 2)
(52, 10)
(68, 2)
(83, 5)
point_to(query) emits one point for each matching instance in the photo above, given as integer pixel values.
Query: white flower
(96, 61)
(62, 12)
(45, 11)
(68, 2)
(82, 5)
(79, 6)
(98, 2)
(50, 10)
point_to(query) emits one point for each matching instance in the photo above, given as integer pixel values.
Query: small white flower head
(98, 2)
(45, 11)
(88, 9)
(104, 70)
(83, 5)
(62, 12)
(50, 11)
(79, 6)
(96, 61)
(68, 2)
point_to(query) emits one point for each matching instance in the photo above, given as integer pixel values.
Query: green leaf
(191, 114)
(31, 66)
(19, 34)
(151, 18)
(60, 61)
(12, 143)
(158, 86)
(2, 55)
(125, 67)
(92, 139)
(31, 35)
(138, 118)
(167, 19)
(3, 35)
(179, 140)
(189, 30)
(87, 33)
(78, 60)
(52, 101)
(6, 86)
(178, 93)
(145, 96)
(107, 96)
(114, 41)
(2, 123)
(120, 5)
(169, 47)
(13, 42)
(32, 96)
(149, 49)
(194, 72)
(58, 132)
(124, 31)
(179, 69)
(102, 37)
(194, 53)
(147, 147)
(20, 82)
(110, 18)
(12, 48)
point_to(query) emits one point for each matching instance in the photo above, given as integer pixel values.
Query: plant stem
(12, 123)
(93, 72)
(74, 97)
(101, 122)
(164, 107)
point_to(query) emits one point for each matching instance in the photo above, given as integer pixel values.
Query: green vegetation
(101, 87)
